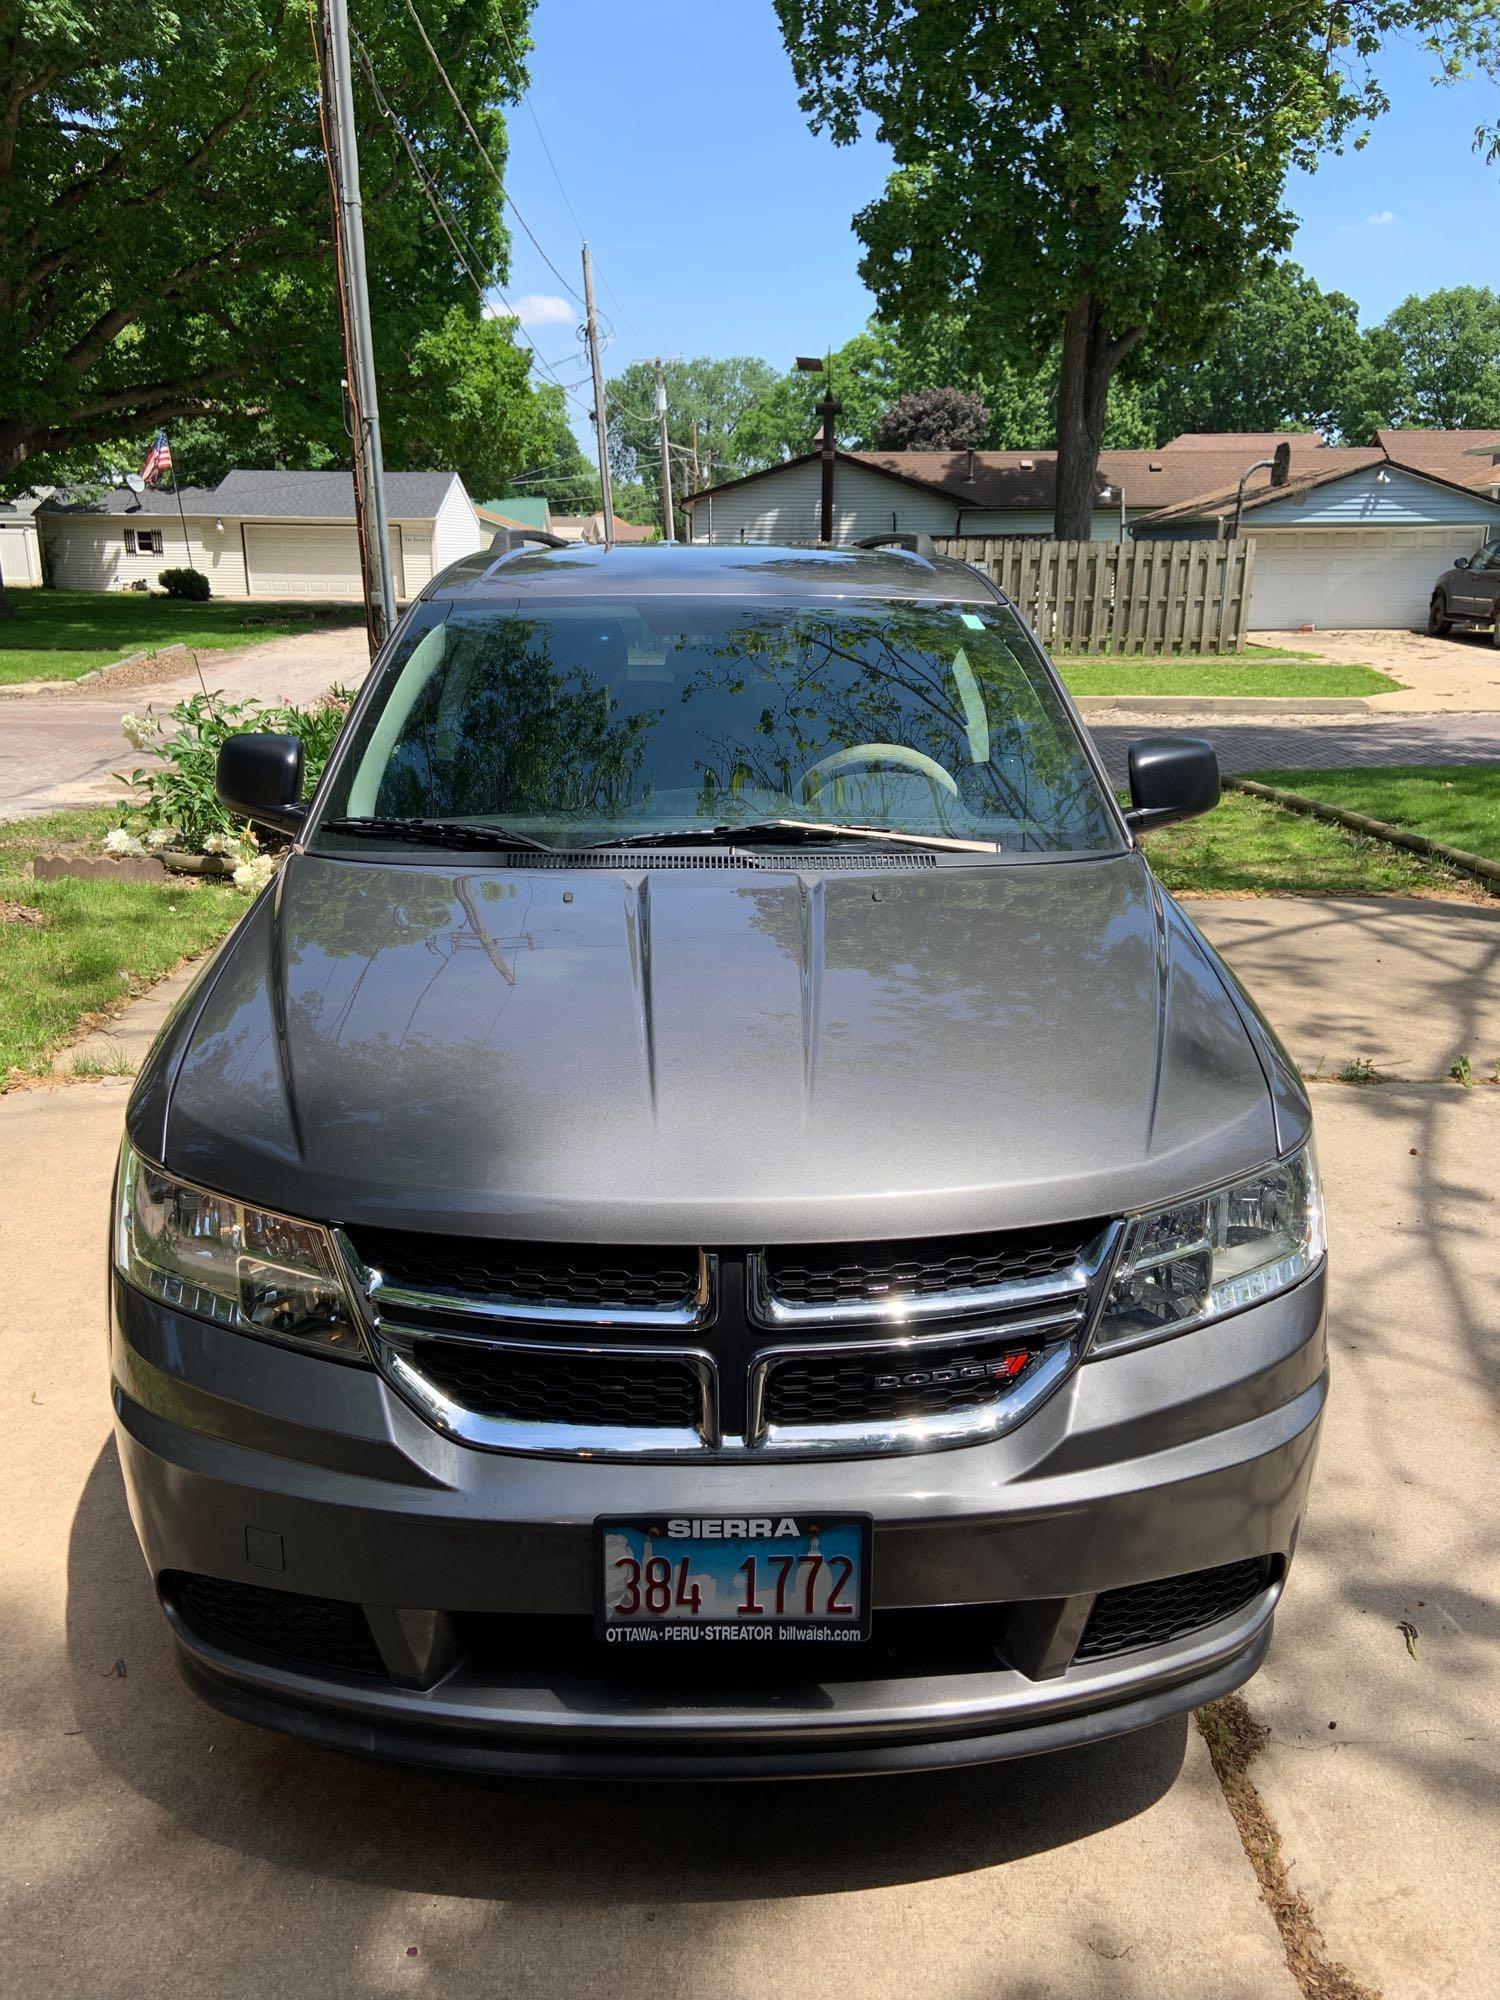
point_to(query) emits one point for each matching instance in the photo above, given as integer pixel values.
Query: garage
(1340, 577)
(309, 561)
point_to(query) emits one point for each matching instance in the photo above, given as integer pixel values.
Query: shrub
(177, 795)
(185, 583)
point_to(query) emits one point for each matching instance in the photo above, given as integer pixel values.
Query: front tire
(1495, 627)
(1439, 624)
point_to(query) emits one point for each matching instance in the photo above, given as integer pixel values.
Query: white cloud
(1380, 218)
(544, 309)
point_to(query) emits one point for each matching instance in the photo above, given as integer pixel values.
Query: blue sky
(720, 225)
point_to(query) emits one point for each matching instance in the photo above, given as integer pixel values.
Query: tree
(1445, 349)
(165, 239)
(1098, 178)
(1284, 356)
(712, 394)
(934, 420)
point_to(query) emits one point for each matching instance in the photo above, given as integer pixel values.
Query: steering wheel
(863, 755)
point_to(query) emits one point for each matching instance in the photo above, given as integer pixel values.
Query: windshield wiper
(789, 833)
(438, 832)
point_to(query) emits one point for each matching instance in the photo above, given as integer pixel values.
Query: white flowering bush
(120, 841)
(253, 875)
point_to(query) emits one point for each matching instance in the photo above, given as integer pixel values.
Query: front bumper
(260, 1466)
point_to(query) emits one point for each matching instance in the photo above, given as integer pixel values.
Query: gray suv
(1468, 594)
(716, 1219)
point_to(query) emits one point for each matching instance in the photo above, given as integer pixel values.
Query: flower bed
(173, 811)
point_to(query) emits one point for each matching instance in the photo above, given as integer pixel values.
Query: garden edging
(1357, 822)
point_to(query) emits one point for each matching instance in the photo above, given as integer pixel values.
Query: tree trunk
(7, 609)
(1090, 356)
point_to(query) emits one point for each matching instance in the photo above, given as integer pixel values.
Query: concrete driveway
(63, 749)
(153, 1847)
(1460, 672)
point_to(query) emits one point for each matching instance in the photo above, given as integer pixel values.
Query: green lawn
(1255, 671)
(56, 635)
(1456, 803)
(1249, 845)
(99, 942)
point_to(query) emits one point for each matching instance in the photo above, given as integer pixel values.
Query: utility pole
(695, 455)
(666, 451)
(359, 354)
(601, 418)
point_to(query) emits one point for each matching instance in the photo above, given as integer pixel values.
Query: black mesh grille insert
(838, 1273)
(874, 1387)
(643, 1391)
(311, 1631)
(1149, 1614)
(539, 1274)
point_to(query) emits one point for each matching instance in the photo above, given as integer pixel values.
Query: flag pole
(177, 489)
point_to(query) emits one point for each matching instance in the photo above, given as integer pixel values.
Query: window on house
(143, 542)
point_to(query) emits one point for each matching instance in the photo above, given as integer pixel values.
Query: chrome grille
(654, 1353)
(547, 1280)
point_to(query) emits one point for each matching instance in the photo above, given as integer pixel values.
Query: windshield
(580, 724)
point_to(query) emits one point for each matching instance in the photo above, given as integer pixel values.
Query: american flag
(158, 460)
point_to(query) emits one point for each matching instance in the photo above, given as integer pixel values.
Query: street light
(1104, 494)
(828, 407)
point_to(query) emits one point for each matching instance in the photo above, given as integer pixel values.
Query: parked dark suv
(1468, 594)
(716, 1219)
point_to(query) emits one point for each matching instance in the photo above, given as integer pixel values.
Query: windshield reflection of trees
(520, 723)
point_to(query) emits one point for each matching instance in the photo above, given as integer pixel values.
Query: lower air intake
(1150, 1614)
(297, 1630)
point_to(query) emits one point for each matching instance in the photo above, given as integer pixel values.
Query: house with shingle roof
(1356, 538)
(256, 534)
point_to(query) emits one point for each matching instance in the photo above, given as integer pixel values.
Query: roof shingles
(272, 496)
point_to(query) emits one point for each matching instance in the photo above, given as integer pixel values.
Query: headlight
(1200, 1259)
(225, 1260)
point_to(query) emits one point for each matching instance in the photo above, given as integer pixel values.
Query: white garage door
(1331, 577)
(309, 562)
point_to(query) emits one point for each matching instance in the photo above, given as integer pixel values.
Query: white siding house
(258, 534)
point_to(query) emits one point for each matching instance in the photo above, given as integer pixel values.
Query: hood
(711, 1056)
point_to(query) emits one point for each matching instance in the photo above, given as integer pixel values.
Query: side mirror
(1171, 777)
(259, 776)
(1460, 562)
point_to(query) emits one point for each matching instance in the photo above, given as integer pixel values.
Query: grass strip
(1250, 846)
(73, 952)
(56, 635)
(1458, 804)
(1487, 870)
(1236, 674)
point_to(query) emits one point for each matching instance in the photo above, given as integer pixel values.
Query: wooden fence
(1113, 597)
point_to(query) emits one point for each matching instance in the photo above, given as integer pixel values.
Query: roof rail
(508, 539)
(917, 545)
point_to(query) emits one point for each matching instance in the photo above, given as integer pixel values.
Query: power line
(494, 171)
(435, 203)
(557, 176)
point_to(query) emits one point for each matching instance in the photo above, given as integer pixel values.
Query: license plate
(731, 1579)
